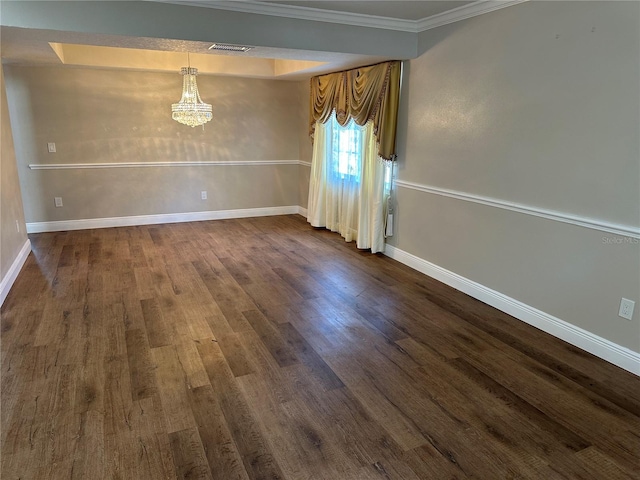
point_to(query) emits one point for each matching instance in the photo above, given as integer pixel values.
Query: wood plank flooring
(265, 349)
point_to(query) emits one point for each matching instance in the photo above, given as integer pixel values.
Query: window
(347, 150)
(349, 183)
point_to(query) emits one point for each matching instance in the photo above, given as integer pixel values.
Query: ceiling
(65, 43)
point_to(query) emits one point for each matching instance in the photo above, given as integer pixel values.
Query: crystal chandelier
(191, 110)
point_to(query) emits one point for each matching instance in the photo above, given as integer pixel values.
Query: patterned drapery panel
(362, 94)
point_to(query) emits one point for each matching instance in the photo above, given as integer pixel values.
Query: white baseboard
(598, 346)
(302, 211)
(12, 274)
(89, 223)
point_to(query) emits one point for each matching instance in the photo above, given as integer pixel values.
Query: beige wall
(159, 21)
(306, 147)
(535, 104)
(12, 227)
(109, 116)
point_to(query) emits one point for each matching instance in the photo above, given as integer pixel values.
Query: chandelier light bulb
(191, 110)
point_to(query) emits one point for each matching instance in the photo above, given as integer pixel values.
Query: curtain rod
(355, 68)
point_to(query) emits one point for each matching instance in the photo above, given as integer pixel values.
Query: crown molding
(462, 13)
(304, 13)
(355, 19)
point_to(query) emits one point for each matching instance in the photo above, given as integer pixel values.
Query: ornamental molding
(356, 19)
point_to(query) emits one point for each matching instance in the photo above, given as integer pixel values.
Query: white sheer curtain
(349, 184)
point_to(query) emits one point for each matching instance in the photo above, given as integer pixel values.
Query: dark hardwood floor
(265, 349)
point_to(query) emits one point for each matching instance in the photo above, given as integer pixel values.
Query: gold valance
(361, 94)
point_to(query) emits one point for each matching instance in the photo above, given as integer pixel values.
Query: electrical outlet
(626, 308)
(203, 195)
(51, 147)
(58, 201)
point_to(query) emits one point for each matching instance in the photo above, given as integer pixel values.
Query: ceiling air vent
(226, 47)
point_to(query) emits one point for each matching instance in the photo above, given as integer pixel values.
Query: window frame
(347, 141)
